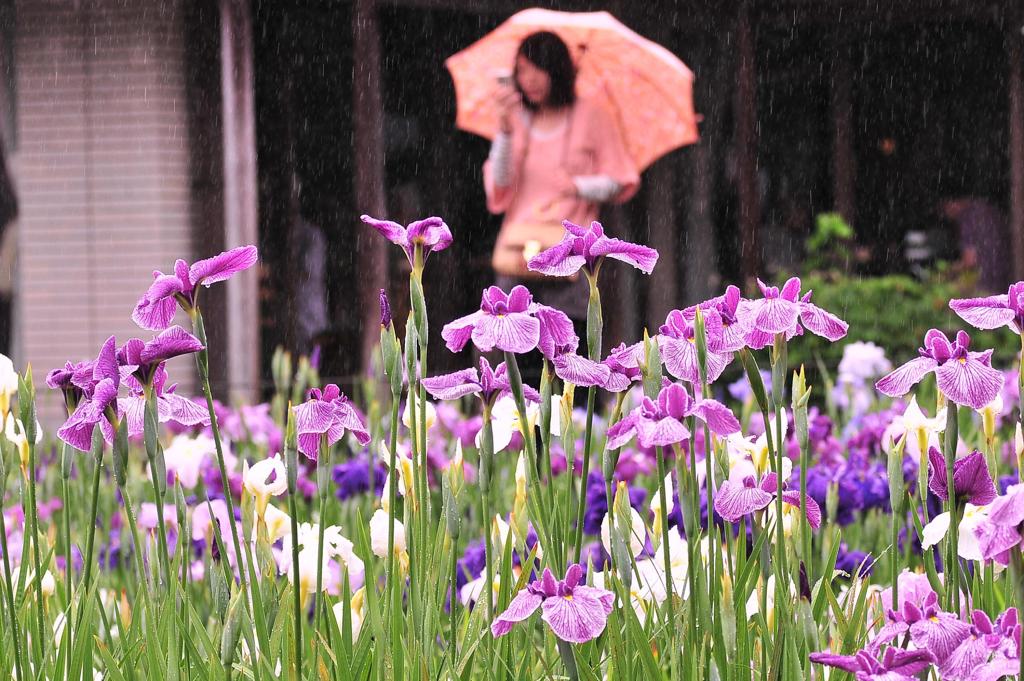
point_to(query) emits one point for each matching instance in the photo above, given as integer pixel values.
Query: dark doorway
(931, 122)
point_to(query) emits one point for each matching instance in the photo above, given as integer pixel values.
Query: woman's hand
(508, 101)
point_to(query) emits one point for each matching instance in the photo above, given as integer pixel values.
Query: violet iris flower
(735, 500)
(580, 371)
(143, 359)
(511, 322)
(489, 384)
(678, 346)
(623, 364)
(99, 403)
(586, 248)
(994, 311)
(896, 664)
(169, 405)
(156, 307)
(1004, 527)
(575, 612)
(971, 480)
(786, 312)
(930, 628)
(326, 412)
(965, 377)
(659, 424)
(72, 379)
(731, 327)
(431, 234)
(986, 645)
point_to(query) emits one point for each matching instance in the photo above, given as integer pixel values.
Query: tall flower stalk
(585, 248)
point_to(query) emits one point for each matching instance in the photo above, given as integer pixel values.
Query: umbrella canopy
(648, 90)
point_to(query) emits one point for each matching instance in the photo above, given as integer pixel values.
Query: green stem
(203, 366)
(582, 505)
(568, 659)
(9, 591)
(33, 519)
(486, 465)
(953, 560)
(396, 399)
(322, 477)
(669, 586)
(291, 454)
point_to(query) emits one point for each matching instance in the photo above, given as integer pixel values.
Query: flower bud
(518, 516)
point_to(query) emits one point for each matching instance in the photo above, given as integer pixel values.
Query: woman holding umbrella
(556, 156)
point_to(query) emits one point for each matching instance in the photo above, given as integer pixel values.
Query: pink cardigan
(590, 144)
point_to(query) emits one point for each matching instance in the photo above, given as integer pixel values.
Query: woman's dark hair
(548, 52)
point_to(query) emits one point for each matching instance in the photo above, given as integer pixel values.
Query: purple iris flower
(994, 311)
(580, 371)
(504, 321)
(514, 323)
(142, 359)
(971, 480)
(896, 664)
(786, 312)
(587, 247)
(472, 563)
(933, 629)
(489, 384)
(329, 413)
(557, 335)
(1004, 527)
(735, 500)
(353, 477)
(156, 307)
(575, 612)
(431, 234)
(678, 345)
(984, 642)
(963, 376)
(731, 328)
(72, 379)
(659, 424)
(169, 405)
(99, 405)
(623, 367)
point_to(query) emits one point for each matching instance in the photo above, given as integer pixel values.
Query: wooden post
(745, 104)
(844, 162)
(1016, 114)
(241, 223)
(712, 67)
(663, 287)
(368, 114)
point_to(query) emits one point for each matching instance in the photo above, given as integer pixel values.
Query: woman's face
(533, 81)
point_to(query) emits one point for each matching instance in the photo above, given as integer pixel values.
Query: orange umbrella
(648, 89)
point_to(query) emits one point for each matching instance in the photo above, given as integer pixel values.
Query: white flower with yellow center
(14, 431)
(8, 384)
(506, 420)
(406, 479)
(967, 544)
(263, 480)
(357, 611)
(379, 538)
(921, 431)
(990, 413)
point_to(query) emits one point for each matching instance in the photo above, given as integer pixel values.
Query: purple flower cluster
(974, 650)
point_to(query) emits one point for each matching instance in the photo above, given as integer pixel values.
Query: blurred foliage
(893, 311)
(830, 244)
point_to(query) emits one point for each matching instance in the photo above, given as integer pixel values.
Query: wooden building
(142, 131)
